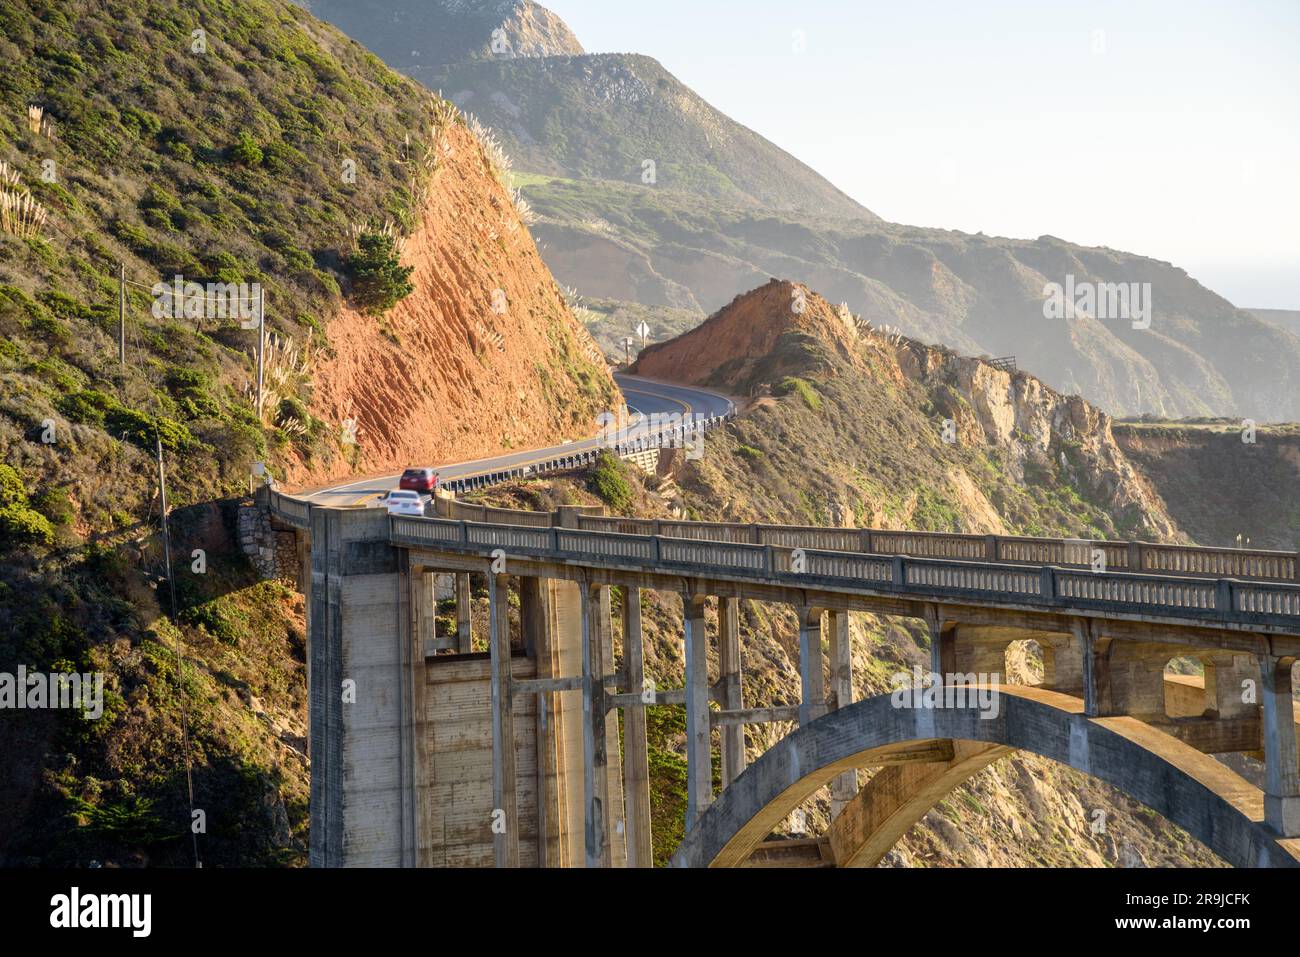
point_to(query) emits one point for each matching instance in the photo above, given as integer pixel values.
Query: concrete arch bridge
(428, 752)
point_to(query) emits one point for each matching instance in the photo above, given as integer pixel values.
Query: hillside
(845, 424)
(224, 157)
(978, 294)
(728, 210)
(1219, 487)
(1288, 319)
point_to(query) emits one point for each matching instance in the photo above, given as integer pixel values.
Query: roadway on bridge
(644, 396)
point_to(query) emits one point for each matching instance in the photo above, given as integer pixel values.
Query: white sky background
(1174, 132)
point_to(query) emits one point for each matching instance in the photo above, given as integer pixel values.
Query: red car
(419, 480)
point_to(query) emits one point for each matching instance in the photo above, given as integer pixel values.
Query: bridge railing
(1140, 557)
(294, 511)
(1196, 599)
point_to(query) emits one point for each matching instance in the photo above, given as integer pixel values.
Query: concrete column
(731, 676)
(534, 620)
(568, 724)
(595, 778)
(943, 648)
(464, 640)
(1281, 780)
(636, 762)
(505, 809)
(1094, 661)
(366, 668)
(532, 615)
(615, 815)
(699, 752)
(1224, 688)
(812, 673)
(844, 787)
(428, 605)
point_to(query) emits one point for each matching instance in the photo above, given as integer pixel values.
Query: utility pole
(166, 534)
(261, 344)
(627, 349)
(180, 672)
(121, 315)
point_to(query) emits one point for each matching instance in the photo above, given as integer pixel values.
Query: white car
(400, 502)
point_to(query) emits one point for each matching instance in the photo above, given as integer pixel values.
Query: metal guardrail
(670, 438)
(1200, 600)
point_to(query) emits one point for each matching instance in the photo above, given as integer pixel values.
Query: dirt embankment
(484, 356)
(750, 337)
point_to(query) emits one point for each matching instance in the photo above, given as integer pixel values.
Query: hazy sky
(1169, 128)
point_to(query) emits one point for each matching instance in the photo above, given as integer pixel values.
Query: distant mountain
(727, 210)
(559, 112)
(421, 37)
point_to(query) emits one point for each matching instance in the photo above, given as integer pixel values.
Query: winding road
(644, 396)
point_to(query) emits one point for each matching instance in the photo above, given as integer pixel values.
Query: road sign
(642, 330)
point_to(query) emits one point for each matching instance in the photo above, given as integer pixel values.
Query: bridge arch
(1186, 787)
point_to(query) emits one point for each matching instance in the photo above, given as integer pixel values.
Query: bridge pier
(812, 673)
(1281, 783)
(730, 677)
(699, 752)
(844, 787)
(464, 637)
(636, 763)
(595, 761)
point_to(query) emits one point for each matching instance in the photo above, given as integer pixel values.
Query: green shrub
(800, 387)
(379, 280)
(246, 152)
(21, 525)
(13, 490)
(608, 482)
(87, 407)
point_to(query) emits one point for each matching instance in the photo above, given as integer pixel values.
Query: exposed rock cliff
(483, 356)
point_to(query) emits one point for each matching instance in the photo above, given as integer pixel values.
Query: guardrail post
(1223, 602)
(991, 551)
(1135, 556)
(654, 549)
(900, 572)
(769, 561)
(464, 532)
(1048, 587)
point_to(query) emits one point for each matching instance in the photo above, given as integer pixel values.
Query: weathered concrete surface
(897, 798)
(1188, 788)
(363, 657)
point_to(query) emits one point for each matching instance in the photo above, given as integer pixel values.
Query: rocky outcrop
(1020, 415)
(271, 548)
